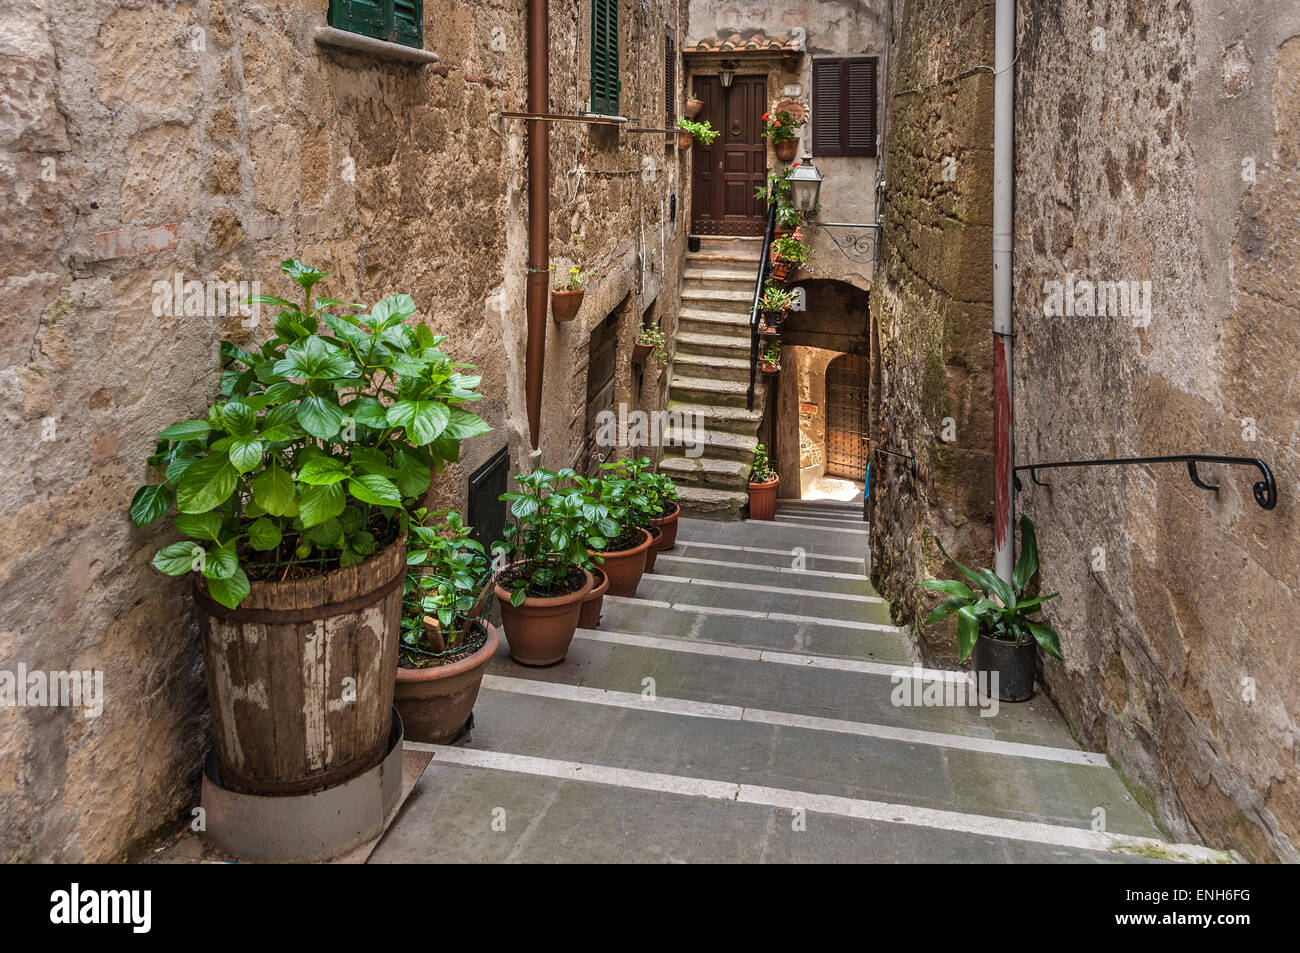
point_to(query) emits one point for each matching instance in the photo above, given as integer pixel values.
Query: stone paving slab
(761, 597)
(767, 556)
(720, 567)
(774, 535)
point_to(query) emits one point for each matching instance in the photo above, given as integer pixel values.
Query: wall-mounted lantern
(727, 73)
(805, 185)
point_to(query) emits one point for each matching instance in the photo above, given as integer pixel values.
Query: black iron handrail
(902, 456)
(1265, 489)
(758, 293)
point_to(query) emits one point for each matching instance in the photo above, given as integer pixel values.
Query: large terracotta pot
(762, 500)
(565, 304)
(625, 567)
(639, 352)
(787, 149)
(279, 663)
(589, 617)
(693, 107)
(652, 553)
(669, 525)
(540, 629)
(435, 703)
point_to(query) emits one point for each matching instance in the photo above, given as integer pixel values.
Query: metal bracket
(1265, 489)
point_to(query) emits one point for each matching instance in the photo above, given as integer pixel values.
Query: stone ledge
(330, 36)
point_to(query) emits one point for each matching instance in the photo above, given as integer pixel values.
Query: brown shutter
(828, 108)
(670, 80)
(860, 127)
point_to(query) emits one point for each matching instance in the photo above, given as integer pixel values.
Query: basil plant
(317, 444)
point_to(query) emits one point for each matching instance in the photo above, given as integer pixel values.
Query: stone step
(772, 535)
(713, 342)
(716, 565)
(713, 504)
(713, 278)
(737, 246)
(702, 365)
(708, 391)
(717, 444)
(727, 302)
(723, 323)
(820, 520)
(767, 556)
(814, 507)
(719, 418)
(769, 595)
(706, 471)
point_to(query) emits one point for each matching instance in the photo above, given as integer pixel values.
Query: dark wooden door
(725, 174)
(846, 417)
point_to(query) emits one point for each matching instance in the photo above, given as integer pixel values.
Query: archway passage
(846, 417)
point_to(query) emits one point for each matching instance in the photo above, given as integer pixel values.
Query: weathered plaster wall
(1158, 142)
(226, 120)
(931, 306)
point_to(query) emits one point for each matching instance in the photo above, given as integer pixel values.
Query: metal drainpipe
(539, 211)
(1004, 536)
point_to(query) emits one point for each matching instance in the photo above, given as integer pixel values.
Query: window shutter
(604, 57)
(397, 21)
(408, 23)
(860, 81)
(828, 95)
(670, 80)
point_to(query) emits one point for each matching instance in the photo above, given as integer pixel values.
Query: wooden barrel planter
(301, 675)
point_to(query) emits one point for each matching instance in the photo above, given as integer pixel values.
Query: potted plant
(447, 641)
(566, 296)
(669, 510)
(762, 486)
(773, 304)
(650, 343)
(996, 624)
(777, 187)
(292, 492)
(688, 131)
(782, 130)
(789, 254)
(618, 513)
(787, 218)
(544, 582)
(589, 615)
(769, 361)
(693, 107)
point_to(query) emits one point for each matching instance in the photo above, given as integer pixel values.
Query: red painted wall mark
(1001, 445)
(134, 241)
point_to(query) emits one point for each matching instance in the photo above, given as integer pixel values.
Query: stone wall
(1158, 142)
(931, 306)
(215, 139)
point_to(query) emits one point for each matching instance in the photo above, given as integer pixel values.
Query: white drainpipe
(1004, 536)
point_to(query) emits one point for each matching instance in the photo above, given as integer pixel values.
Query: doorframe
(761, 105)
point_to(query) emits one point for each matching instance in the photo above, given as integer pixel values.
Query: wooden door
(725, 174)
(846, 417)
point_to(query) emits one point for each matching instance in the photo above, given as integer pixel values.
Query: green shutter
(604, 57)
(398, 21)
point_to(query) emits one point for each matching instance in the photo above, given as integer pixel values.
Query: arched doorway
(846, 417)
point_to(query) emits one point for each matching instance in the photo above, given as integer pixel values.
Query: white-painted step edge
(753, 614)
(750, 587)
(856, 560)
(819, 573)
(1077, 838)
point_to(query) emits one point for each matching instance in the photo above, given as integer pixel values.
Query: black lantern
(805, 185)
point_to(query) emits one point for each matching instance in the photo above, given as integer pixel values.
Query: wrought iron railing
(1265, 489)
(764, 265)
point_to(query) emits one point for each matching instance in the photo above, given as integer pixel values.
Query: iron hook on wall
(1265, 489)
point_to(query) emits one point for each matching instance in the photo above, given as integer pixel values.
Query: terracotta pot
(278, 646)
(762, 500)
(767, 368)
(540, 629)
(693, 107)
(669, 526)
(625, 567)
(780, 269)
(787, 149)
(684, 139)
(589, 617)
(639, 352)
(435, 703)
(565, 304)
(652, 553)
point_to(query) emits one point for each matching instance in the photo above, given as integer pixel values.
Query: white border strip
(779, 590)
(753, 614)
(1077, 838)
(819, 573)
(693, 709)
(768, 552)
(821, 529)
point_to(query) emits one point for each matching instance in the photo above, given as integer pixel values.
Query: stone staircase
(744, 708)
(710, 376)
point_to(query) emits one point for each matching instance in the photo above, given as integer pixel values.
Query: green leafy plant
(775, 299)
(1007, 618)
(780, 126)
(574, 280)
(315, 446)
(777, 187)
(772, 354)
(665, 490)
(652, 337)
(790, 248)
(763, 470)
(447, 586)
(702, 131)
(547, 535)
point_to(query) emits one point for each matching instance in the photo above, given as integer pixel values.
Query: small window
(397, 21)
(604, 57)
(670, 80)
(844, 106)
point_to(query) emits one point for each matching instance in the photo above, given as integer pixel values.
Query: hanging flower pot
(565, 304)
(769, 367)
(769, 322)
(693, 107)
(787, 149)
(780, 270)
(684, 139)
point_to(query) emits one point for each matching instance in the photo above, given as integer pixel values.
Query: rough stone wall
(931, 306)
(224, 119)
(1158, 142)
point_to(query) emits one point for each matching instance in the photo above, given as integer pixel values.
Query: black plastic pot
(1011, 665)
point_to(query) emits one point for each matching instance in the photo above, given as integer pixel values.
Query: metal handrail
(1265, 490)
(758, 293)
(902, 456)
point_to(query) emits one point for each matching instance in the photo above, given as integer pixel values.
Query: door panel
(846, 417)
(725, 174)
